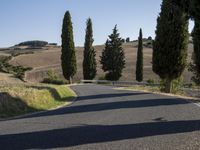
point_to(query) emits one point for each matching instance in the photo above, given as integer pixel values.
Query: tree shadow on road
(90, 134)
(105, 106)
(111, 95)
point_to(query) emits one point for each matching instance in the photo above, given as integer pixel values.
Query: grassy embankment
(192, 95)
(19, 99)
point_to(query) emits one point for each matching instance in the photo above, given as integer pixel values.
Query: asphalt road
(106, 119)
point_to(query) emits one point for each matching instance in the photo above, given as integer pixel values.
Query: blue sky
(23, 20)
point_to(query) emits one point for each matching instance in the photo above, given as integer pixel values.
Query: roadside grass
(156, 90)
(19, 99)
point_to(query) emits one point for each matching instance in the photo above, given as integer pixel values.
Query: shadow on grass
(90, 134)
(54, 93)
(11, 106)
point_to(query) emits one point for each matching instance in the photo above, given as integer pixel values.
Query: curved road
(106, 119)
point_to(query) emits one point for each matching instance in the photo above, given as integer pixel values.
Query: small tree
(150, 38)
(113, 59)
(127, 40)
(170, 45)
(89, 62)
(68, 57)
(139, 64)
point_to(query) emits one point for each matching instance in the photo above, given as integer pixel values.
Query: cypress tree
(195, 67)
(113, 59)
(195, 9)
(89, 62)
(170, 45)
(139, 64)
(194, 13)
(68, 57)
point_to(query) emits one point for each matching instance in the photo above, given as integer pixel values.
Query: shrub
(127, 40)
(151, 81)
(53, 78)
(177, 85)
(52, 75)
(102, 78)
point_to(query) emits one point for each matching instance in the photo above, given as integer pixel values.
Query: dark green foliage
(53, 44)
(68, 57)
(89, 62)
(113, 59)
(150, 82)
(150, 38)
(123, 40)
(195, 67)
(170, 45)
(33, 43)
(191, 7)
(127, 40)
(139, 64)
(195, 9)
(53, 78)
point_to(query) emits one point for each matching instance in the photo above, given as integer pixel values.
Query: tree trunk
(168, 85)
(70, 80)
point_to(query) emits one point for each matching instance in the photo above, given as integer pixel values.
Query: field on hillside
(49, 58)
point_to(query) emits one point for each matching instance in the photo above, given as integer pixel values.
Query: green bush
(176, 85)
(56, 82)
(102, 78)
(53, 78)
(151, 81)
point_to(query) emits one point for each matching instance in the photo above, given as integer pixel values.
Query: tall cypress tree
(194, 12)
(68, 57)
(195, 67)
(195, 9)
(89, 62)
(139, 64)
(170, 45)
(113, 59)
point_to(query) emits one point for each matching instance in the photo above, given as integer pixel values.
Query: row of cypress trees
(68, 56)
(169, 47)
(112, 59)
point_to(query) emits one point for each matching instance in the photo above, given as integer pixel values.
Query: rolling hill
(48, 57)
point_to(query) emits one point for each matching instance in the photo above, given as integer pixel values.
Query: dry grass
(44, 60)
(8, 78)
(21, 98)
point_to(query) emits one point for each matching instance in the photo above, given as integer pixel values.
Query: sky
(24, 20)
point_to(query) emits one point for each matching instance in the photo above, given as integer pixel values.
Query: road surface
(106, 119)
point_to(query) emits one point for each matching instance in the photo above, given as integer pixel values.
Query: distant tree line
(33, 43)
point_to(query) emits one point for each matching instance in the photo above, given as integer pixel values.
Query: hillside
(49, 58)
